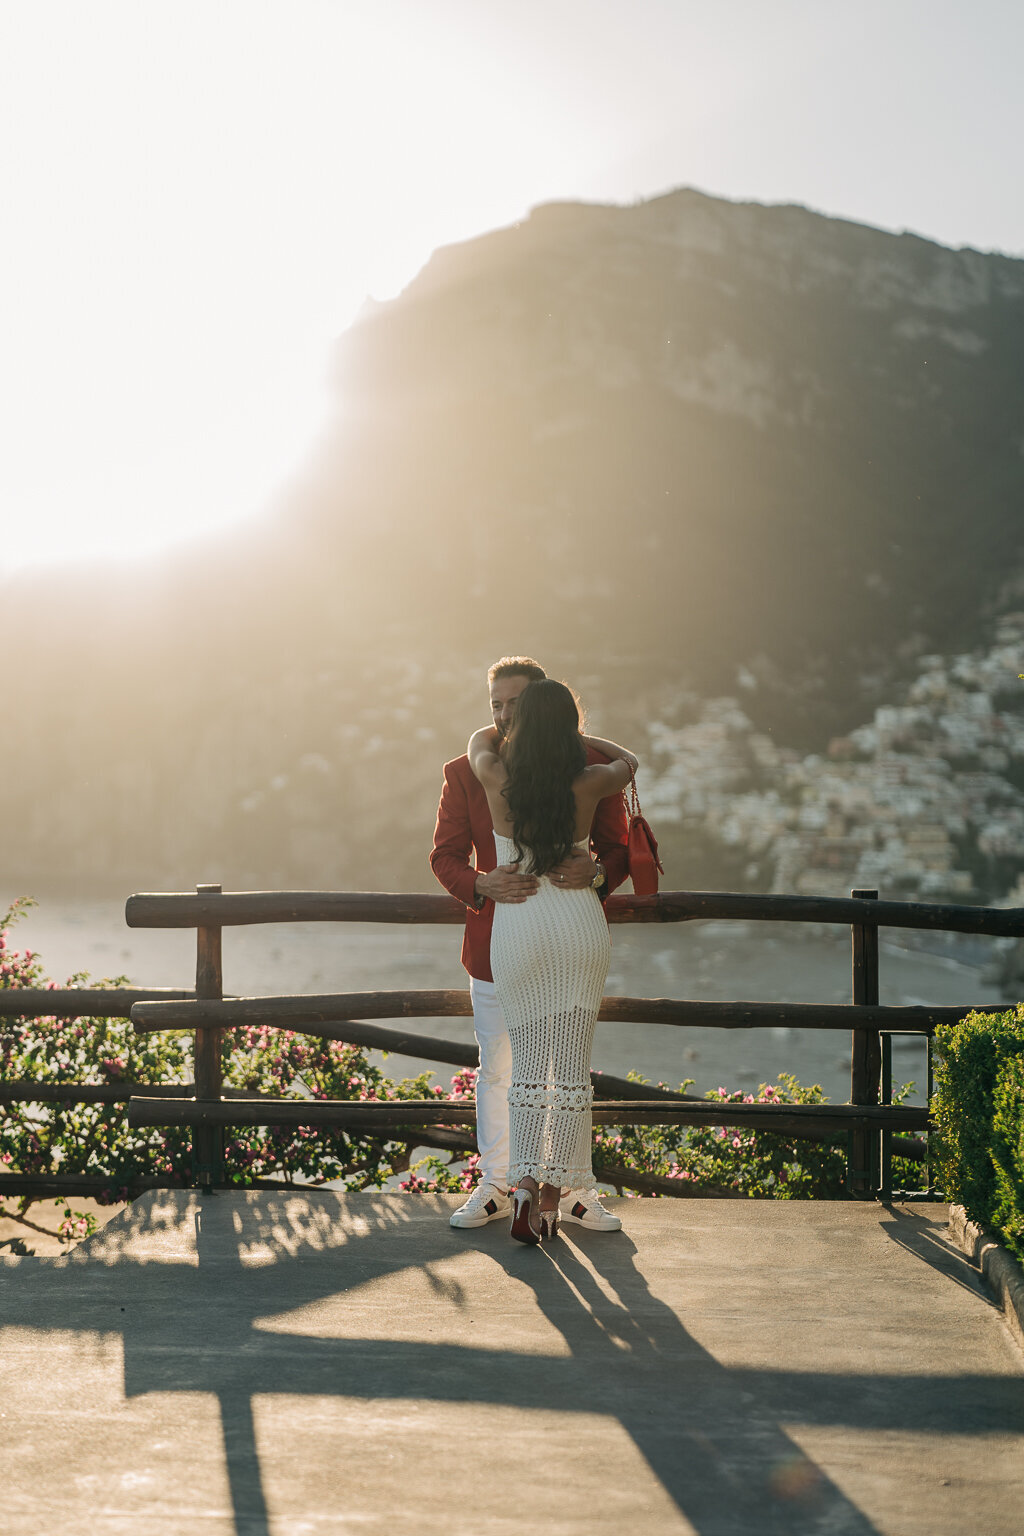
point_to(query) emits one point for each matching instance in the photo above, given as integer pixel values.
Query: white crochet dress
(549, 957)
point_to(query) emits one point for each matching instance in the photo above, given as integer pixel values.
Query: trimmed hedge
(978, 1111)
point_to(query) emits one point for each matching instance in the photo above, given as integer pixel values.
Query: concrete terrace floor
(258, 1363)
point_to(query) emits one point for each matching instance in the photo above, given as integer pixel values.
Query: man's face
(504, 692)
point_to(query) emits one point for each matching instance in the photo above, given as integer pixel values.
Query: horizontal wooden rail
(90, 1093)
(231, 909)
(310, 1013)
(28, 1092)
(238, 908)
(402, 1042)
(296, 1010)
(390, 1114)
(123, 1093)
(913, 1148)
(80, 1002)
(455, 1053)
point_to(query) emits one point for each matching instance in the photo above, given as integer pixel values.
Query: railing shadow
(238, 1269)
(716, 1447)
(928, 1246)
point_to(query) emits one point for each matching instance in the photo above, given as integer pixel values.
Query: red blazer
(464, 824)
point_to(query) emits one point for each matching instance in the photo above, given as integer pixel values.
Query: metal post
(885, 1181)
(928, 1043)
(865, 1055)
(208, 1140)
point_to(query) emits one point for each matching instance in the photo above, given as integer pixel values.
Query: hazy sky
(197, 194)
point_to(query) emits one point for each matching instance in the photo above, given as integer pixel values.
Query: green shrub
(1008, 1154)
(978, 1109)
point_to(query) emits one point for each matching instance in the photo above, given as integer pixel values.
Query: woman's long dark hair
(543, 754)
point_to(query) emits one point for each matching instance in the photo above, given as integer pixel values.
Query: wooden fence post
(866, 1053)
(208, 1140)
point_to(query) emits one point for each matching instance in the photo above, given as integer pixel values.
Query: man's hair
(516, 666)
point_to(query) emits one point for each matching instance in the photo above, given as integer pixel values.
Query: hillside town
(925, 801)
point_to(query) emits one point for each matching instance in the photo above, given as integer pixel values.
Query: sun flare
(192, 229)
(198, 198)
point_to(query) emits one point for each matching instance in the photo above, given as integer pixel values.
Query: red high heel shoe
(522, 1207)
(549, 1224)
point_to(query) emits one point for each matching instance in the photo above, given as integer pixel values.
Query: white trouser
(492, 1083)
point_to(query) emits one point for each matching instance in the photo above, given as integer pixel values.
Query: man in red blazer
(464, 828)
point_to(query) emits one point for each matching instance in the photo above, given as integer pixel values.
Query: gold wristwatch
(600, 877)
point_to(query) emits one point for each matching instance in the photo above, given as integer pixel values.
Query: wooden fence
(875, 1128)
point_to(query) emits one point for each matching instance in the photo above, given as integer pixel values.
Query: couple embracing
(540, 806)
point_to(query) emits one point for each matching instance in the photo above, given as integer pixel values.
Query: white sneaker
(583, 1207)
(486, 1203)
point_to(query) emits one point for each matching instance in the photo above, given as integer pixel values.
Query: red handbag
(641, 846)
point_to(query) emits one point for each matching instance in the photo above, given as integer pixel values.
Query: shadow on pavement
(926, 1244)
(714, 1436)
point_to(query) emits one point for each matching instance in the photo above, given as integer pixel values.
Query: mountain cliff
(710, 431)
(659, 446)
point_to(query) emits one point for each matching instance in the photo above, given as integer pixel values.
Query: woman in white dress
(550, 952)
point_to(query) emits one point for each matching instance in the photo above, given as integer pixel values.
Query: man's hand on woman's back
(575, 872)
(505, 884)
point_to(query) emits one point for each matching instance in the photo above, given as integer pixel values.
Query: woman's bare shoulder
(604, 778)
